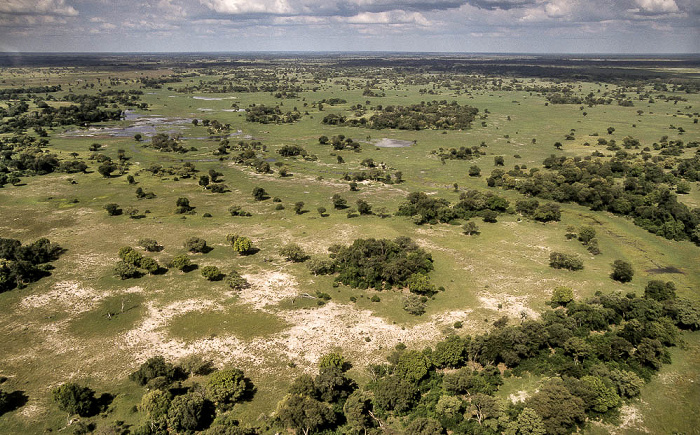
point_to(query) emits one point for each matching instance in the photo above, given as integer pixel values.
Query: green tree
(586, 234)
(299, 207)
(150, 265)
(294, 253)
(561, 296)
(74, 399)
(450, 352)
(211, 273)
(236, 281)
(527, 423)
(412, 366)
(195, 244)
(304, 413)
(339, 202)
(561, 411)
(660, 291)
(242, 245)
(622, 271)
(393, 393)
(259, 194)
(449, 406)
(470, 228)
(113, 209)
(226, 386)
(424, 426)
(125, 270)
(154, 367)
(332, 359)
(604, 397)
(357, 409)
(363, 207)
(419, 283)
(106, 169)
(181, 262)
(413, 304)
(155, 405)
(185, 413)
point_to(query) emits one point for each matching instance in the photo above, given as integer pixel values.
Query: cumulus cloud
(657, 6)
(37, 7)
(326, 7)
(393, 17)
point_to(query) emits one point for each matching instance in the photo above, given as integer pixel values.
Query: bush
(413, 304)
(125, 270)
(236, 281)
(660, 291)
(74, 399)
(183, 206)
(185, 413)
(211, 273)
(181, 262)
(561, 296)
(321, 266)
(226, 386)
(236, 210)
(294, 253)
(150, 265)
(195, 244)
(622, 271)
(259, 194)
(558, 260)
(299, 207)
(150, 245)
(154, 367)
(113, 209)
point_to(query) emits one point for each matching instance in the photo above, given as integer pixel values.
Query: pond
(393, 143)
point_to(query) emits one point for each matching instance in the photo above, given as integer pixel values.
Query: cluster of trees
(463, 153)
(21, 265)
(132, 262)
(641, 195)
(426, 209)
(271, 115)
(340, 142)
(374, 174)
(383, 264)
(540, 212)
(439, 115)
(168, 143)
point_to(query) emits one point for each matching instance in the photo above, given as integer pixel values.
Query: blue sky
(526, 26)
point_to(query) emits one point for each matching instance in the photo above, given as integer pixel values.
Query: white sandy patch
(268, 288)
(70, 295)
(520, 396)
(512, 306)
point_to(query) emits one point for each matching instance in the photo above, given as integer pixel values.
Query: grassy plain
(82, 323)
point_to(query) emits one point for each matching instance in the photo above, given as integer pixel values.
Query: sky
(474, 26)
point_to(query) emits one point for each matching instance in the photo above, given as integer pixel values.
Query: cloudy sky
(525, 26)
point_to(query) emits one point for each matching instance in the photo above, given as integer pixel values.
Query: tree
(559, 260)
(474, 171)
(154, 367)
(357, 410)
(204, 181)
(226, 386)
(561, 296)
(450, 352)
(113, 209)
(332, 359)
(414, 304)
(363, 207)
(183, 205)
(489, 216)
(660, 291)
(150, 265)
(74, 399)
(242, 245)
(321, 211)
(622, 271)
(484, 406)
(412, 366)
(604, 398)
(586, 234)
(181, 262)
(106, 169)
(424, 426)
(236, 281)
(125, 270)
(339, 202)
(332, 385)
(419, 283)
(259, 194)
(185, 413)
(303, 413)
(211, 273)
(299, 207)
(470, 228)
(527, 423)
(560, 410)
(294, 253)
(498, 161)
(449, 406)
(393, 393)
(155, 404)
(195, 244)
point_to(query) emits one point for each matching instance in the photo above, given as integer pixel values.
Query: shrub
(150, 245)
(561, 296)
(622, 271)
(320, 266)
(150, 265)
(74, 399)
(294, 253)
(413, 304)
(185, 413)
(660, 291)
(181, 262)
(195, 244)
(226, 386)
(211, 273)
(558, 260)
(154, 367)
(125, 270)
(333, 359)
(299, 207)
(259, 194)
(237, 210)
(183, 206)
(236, 281)
(113, 209)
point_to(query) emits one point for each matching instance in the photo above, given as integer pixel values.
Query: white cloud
(657, 6)
(275, 7)
(394, 17)
(37, 7)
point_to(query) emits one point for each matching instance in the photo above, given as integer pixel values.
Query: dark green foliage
(271, 115)
(412, 366)
(113, 209)
(186, 413)
(259, 194)
(424, 426)
(183, 206)
(466, 380)
(414, 304)
(363, 207)
(294, 253)
(301, 412)
(291, 151)
(299, 207)
(150, 245)
(424, 208)
(237, 210)
(212, 273)
(380, 263)
(451, 352)
(339, 202)
(429, 115)
(154, 367)
(195, 244)
(559, 260)
(126, 270)
(236, 281)
(395, 394)
(357, 409)
(181, 262)
(332, 385)
(74, 399)
(561, 411)
(150, 265)
(226, 386)
(561, 296)
(21, 265)
(622, 271)
(660, 291)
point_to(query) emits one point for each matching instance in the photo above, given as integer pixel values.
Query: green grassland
(84, 324)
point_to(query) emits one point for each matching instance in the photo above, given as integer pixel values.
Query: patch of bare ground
(71, 296)
(520, 396)
(512, 306)
(268, 288)
(631, 419)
